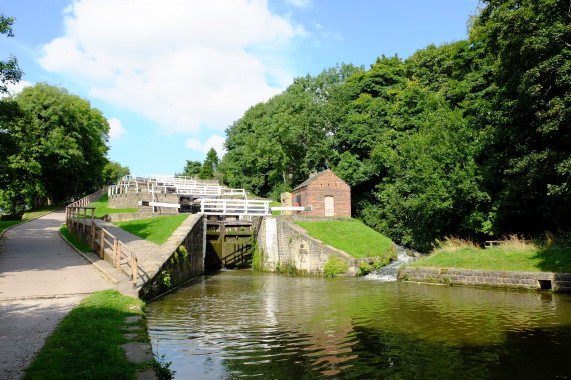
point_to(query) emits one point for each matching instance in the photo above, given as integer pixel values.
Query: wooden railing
(99, 238)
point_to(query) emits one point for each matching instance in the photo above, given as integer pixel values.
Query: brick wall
(327, 184)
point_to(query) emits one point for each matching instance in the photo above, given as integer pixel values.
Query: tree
(9, 70)
(210, 165)
(192, 168)
(113, 172)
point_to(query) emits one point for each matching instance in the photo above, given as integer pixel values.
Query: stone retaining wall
(132, 199)
(558, 282)
(284, 244)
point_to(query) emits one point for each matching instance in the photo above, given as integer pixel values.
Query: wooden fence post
(115, 252)
(92, 234)
(118, 256)
(134, 270)
(102, 247)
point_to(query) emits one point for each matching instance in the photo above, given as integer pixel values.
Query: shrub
(335, 266)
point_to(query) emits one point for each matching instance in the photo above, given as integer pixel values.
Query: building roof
(308, 181)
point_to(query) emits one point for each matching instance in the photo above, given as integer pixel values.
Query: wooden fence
(80, 222)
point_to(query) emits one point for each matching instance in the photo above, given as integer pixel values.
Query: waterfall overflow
(389, 272)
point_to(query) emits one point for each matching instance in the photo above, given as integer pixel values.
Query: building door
(329, 206)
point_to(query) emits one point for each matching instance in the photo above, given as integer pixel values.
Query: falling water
(389, 272)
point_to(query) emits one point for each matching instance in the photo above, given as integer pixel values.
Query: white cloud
(184, 64)
(214, 141)
(116, 129)
(14, 89)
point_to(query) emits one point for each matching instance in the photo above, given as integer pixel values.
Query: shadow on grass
(555, 258)
(87, 342)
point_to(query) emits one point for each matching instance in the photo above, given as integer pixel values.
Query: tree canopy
(469, 138)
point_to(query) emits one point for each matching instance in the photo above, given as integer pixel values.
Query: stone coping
(558, 282)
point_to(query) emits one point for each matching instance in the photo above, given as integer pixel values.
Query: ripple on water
(246, 323)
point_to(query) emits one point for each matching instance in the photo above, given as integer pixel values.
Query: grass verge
(275, 204)
(351, 236)
(102, 207)
(27, 216)
(86, 344)
(512, 254)
(81, 246)
(155, 230)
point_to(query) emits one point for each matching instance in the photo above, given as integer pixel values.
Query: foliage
(192, 168)
(9, 70)
(513, 254)
(113, 172)
(467, 139)
(210, 165)
(351, 236)
(53, 147)
(156, 230)
(81, 246)
(335, 266)
(87, 342)
(166, 279)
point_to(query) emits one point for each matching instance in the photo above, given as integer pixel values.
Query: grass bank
(81, 246)
(155, 230)
(351, 236)
(102, 207)
(513, 254)
(86, 344)
(28, 215)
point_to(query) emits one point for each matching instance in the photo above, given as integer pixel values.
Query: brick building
(327, 194)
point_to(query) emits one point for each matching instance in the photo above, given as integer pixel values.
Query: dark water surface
(248, 324)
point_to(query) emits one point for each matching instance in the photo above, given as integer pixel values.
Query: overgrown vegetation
(155, 230)
(102, 207)
(351, 236)
(81, 246)
(86, 344)
(335, 266)
(466, 139)
(513, 254)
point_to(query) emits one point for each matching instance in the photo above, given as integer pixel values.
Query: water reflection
(245, 323)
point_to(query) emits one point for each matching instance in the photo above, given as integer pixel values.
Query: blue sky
(172, 75)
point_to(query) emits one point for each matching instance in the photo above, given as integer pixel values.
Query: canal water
(244, 323)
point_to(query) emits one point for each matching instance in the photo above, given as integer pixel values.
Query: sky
(171, 75)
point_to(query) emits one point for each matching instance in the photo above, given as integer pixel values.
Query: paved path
(41, 279)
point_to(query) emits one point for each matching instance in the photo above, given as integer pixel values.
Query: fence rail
(234, 207)
(98, 238)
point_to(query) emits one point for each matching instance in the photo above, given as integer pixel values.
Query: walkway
(41, 279)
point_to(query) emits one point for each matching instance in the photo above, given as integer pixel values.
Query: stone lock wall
(132, 199)
(178, 267)
(558, 282)
(285, 244)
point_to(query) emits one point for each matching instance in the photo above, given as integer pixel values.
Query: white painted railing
(234, 207)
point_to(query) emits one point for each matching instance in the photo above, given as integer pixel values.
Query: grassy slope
(350, 236)
(81, 246)
(27, 216)
(528, 258)
(156, 230)
(102, 207)
(86, 343)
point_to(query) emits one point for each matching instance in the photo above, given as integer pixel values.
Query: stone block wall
(558, 282)
(132, 199)
(178, 267)
(284, 244)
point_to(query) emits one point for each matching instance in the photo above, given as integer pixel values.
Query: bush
(335, 266)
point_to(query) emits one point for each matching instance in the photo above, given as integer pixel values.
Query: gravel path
(41, 279)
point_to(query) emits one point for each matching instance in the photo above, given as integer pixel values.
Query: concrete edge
(27, 221)
(96, 265)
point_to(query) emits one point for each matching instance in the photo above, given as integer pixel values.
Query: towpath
(41, 279)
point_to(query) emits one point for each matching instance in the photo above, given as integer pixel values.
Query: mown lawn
(524, 256)
(350, 236)
(155, 230)
(27, 216)
(86, 344)
(102, 207)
